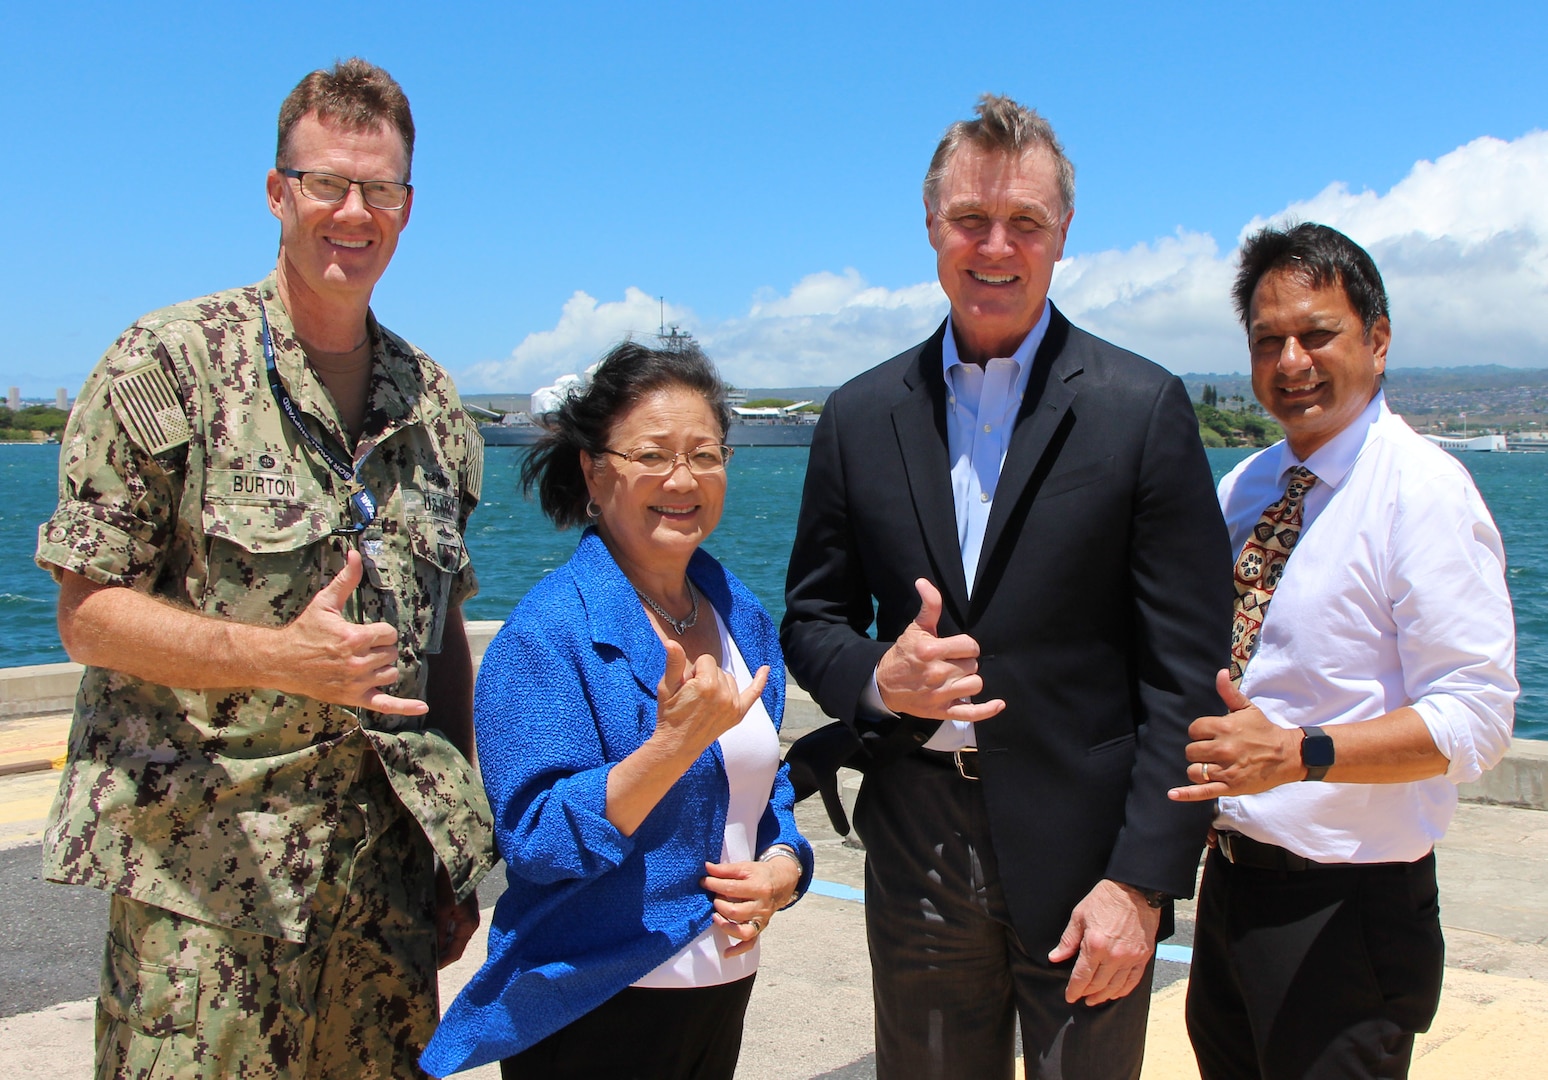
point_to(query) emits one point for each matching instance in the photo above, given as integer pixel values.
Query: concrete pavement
(811, 1015)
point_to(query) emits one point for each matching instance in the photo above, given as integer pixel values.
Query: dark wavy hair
(1316, 255)
(585, 420)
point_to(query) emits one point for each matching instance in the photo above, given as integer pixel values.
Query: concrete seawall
(1520, 780)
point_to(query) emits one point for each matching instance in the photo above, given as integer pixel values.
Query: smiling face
(653, 524)
(998, 228)
(1314, 366)
(337, 250)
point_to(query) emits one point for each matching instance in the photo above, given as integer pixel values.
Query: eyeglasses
(703, 460)
(325, 187)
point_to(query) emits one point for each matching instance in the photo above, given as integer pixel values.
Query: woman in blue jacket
(627, 718)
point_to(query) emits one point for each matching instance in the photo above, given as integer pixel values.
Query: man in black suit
(1026, 514)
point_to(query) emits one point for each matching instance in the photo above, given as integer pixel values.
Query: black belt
(1242, 850)
(964, 761)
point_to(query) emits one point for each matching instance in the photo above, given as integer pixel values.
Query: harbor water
(513, 545)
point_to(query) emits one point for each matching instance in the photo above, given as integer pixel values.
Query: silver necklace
(679, 626)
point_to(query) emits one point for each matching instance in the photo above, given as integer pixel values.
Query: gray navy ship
(783, 425)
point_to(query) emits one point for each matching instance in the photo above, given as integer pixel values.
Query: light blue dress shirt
(981, 408)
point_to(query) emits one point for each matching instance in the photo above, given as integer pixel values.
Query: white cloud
(828, 328)
(1168, 300)
(585, 330)
(1462, 243)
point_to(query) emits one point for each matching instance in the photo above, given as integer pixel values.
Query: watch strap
(1317, 754)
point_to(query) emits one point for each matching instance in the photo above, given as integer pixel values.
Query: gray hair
(1001, 125)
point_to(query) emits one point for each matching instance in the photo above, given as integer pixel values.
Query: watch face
(1316, 750)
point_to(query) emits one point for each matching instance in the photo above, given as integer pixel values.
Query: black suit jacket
(1102, 605)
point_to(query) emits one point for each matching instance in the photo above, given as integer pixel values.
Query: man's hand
(1240, 753)
(1113, 931)
(933, 677)
(320, 654)
(454, 922)
(325, 656)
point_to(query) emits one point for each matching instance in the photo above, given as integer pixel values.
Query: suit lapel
(1050, 393)
(919, 422)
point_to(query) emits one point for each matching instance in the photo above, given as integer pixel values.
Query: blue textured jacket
(566, 690)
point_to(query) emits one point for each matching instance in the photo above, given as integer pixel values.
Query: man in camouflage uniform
(259, 545)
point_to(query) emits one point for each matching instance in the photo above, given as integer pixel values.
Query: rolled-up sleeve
(117, 497)
(1456, 629)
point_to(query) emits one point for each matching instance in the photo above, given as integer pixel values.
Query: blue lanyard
(362, 504)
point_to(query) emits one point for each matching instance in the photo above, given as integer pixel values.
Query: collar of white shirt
(1331, 461)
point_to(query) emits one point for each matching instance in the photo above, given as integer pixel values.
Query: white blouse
(751, 754)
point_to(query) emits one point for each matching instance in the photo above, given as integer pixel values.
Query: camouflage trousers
(187, 1000)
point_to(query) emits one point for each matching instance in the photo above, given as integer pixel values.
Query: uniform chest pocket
(262, 558)
(438, 555)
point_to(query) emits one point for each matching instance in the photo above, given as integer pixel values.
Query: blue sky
(759, 167)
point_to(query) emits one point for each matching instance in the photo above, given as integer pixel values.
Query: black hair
(585, 419)
(1317, 255)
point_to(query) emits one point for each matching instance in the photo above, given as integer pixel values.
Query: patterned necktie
(1261, 564)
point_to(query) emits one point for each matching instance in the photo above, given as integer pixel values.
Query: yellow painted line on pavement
(1489, 1027)
(25, 802)
(33, 809)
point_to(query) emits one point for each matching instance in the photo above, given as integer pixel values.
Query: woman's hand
(694, 707)
(747, 894)
(697, 705)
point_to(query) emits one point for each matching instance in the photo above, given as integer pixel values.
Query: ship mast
(673, 338)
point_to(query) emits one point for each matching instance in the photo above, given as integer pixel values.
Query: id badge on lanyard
(360, 503)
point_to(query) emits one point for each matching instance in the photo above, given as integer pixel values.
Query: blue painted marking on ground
(835, 890)
(1177, 954)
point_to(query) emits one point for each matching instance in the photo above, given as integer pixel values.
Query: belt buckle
(956, 755)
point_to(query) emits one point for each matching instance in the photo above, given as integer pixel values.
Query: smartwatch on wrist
(1316, 752)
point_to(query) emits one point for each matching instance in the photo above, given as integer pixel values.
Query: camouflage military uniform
(180, 477)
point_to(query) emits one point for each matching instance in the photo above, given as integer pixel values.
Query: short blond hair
(1007, 127)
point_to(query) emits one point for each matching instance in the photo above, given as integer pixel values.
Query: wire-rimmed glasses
(705, 460)
(326, 187)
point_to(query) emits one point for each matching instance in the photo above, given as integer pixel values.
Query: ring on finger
(1204, 771)
(757, 925)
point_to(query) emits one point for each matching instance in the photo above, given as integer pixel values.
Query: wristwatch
(1316, 752)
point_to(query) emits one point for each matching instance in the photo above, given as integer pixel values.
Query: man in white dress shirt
(1375, 650)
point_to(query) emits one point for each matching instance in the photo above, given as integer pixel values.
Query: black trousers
(644, 1033)
(1313, 974)
(949, 974)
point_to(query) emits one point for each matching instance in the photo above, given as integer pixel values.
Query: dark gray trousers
(949, 973)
